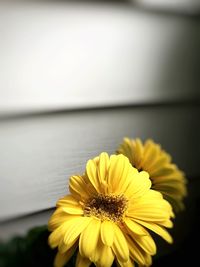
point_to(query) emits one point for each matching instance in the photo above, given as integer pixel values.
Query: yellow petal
(66, 200)
(146, 243)
(151, 153)
(137, 153)
(172, 187)
(166, 223)
(61, 259)
(78, 187)
(70, 205)
(92, 175)
(136, 252)
(135, 227)
(175, 202)
(82, 262)
(118, 174)
(154, 215)
(148, 259)
(120, 247)
(73, 210)
(57, 235)
(176, 175)
(107, 233)
(103, 169)
(166, 170)
(150, 209)
(139, 185)
(128, 263)
(104, 256)
(157, 229)
(127, 149)
(73, 231)
(161, 161)
(89, 238)
(57, 218)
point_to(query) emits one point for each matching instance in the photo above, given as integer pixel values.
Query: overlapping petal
(61, 259)
(89, 238)
(165, 176)
(120, 246)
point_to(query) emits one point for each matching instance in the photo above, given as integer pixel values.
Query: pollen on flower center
(106, 207)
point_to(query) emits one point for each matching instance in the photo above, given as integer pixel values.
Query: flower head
(165, 176)
(108, 214)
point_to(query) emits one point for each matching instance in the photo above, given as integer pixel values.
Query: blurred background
(78, 76)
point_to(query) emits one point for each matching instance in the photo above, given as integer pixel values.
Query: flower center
(106, 207)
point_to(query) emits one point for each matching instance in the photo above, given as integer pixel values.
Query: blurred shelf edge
(16, 113)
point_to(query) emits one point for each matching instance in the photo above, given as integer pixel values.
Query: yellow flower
(107, 215)
(165, 176)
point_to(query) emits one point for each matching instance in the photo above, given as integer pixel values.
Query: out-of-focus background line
(137, 106)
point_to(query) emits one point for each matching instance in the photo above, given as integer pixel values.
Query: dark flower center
(106, 207)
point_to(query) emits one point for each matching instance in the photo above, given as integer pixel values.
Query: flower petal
(57, 218)
(118, 174)
(103, 170)
(146, 242)
(92, 175)
(70, 205)
(107, 233)
(57, 235)
(120, 246)
(151, 207)
(78, 187)
(138, 151)
(158, 230)
(73, 231)
(165, 176)
(78, 210)
(61, 259)
(127, 149)
(82, 262)
(67, 200)
(154, 215)
(151, 153)
(135, 227)
(104, 256)
(89, 238)
(153, 211)
(128, 263)
(139, 185)
(136, 252)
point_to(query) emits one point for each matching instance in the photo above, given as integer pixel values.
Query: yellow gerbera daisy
(165, 176)
(107, 215)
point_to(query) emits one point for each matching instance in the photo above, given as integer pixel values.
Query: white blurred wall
(61, 55)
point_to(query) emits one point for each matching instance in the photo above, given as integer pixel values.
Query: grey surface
(59, 55)
(40, 153)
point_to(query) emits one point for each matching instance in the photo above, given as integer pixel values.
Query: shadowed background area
(78, 76)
